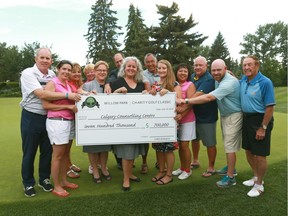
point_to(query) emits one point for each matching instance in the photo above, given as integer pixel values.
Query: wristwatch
(186, 100)
(264, 126)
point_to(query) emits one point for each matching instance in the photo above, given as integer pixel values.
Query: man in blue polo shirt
(257, 102)
(206, 116)
(227, 94)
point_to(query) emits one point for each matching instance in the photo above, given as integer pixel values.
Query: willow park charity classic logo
(90, 102)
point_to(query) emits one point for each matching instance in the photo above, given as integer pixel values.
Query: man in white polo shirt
(33, 121)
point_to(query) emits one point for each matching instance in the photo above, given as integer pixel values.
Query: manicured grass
(194, 196)
(281, 99)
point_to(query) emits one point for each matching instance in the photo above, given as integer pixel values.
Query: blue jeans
(34, 134)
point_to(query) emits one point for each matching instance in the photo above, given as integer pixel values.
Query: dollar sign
(147, 125)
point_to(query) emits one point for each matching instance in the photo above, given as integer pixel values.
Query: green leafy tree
(269, 43)
(9, 62)
(102, 32)
(173, 39)
(137, 37)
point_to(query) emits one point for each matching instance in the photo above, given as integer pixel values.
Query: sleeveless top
(190, 116)
(65, 113)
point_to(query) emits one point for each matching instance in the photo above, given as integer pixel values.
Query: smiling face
(200, 66)
(130, 69)
(250, 67)
(162, 70)
(101, 72)
(218, 69)
(151, 63)
(43, 60)
(75, 74)
(182, 74)
(64, 71)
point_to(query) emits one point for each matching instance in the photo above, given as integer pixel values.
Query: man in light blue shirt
(227, 94)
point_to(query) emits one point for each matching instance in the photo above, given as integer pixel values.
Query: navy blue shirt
(208, 112)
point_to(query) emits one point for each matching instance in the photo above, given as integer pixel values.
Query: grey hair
(139, 74)
(201, 57)
(150, 54)
(41, 48)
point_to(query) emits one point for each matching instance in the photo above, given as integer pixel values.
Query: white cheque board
(126, 118)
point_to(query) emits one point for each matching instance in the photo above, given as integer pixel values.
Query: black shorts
(251, 123)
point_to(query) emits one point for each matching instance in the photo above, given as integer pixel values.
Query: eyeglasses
(99, 70)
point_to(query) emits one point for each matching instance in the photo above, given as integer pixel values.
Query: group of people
(48, 113)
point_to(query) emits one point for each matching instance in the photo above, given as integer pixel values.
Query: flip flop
(75, 168)
(62, 194)
(209, 173)
(71, 186)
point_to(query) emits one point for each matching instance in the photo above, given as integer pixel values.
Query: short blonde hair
(88, 67)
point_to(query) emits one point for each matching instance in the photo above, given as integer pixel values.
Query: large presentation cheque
(125, 118)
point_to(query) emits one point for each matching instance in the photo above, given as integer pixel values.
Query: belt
(252, 114)
(61, 119)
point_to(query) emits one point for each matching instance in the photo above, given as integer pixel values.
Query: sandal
(60, 194)
(75, 168)
(97, 180)
(107, 177)
(208, 173)
(144, 169)
(155, 179)
(195, 165)
(72, 174)
(161, 182)
(71, 186)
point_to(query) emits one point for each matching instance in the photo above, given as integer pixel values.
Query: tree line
(172, 38)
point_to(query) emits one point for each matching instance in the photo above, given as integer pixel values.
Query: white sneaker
(256, 191)
(184, 175)
(251, 182)
(177, 172)
(90, 169)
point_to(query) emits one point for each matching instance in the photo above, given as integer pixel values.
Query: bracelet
(66, 95)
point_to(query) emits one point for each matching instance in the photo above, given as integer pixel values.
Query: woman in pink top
(186, 117)
(61, 128)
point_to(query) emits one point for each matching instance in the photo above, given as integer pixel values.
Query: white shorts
(60, 132)
(187, 131)
(232, 132)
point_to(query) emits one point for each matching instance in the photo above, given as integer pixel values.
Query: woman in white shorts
(186, 118)
(60, 126)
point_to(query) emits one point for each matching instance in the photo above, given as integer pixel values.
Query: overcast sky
(62, 23)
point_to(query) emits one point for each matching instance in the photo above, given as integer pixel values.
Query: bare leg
(103, 162)
(185, 155)
(127, 166)
(231, 162)
(261, 168)
(57, 158)
(195, 151)
(212, 152)
(251, 160)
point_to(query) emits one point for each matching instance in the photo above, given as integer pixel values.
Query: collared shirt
(256, 94)
(32, 79)
(208, 112)
(150, 77)
(227, 93)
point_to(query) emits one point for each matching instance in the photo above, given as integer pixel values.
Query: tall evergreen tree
(102, 32)
(172, 40)
(137, 37)
(219, 50)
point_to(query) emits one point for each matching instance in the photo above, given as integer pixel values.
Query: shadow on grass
(198, 198)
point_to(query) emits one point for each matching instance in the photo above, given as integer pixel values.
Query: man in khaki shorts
(227, 94)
